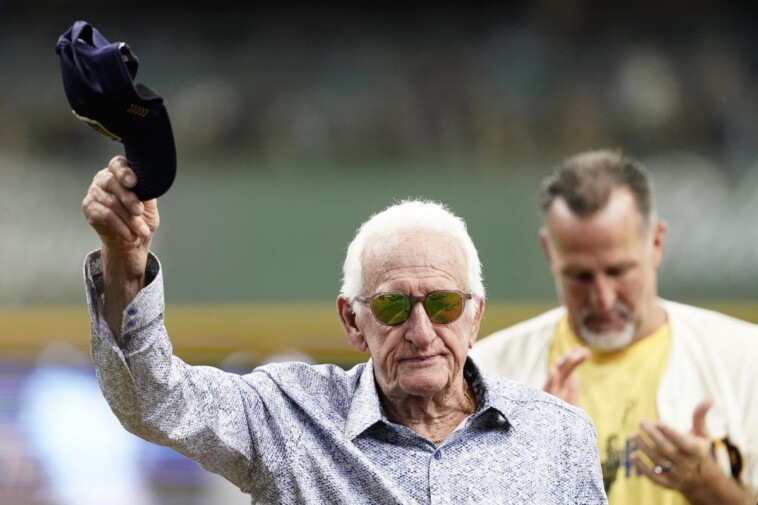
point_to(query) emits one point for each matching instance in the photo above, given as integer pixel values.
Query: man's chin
(422, 384)
(608, 341)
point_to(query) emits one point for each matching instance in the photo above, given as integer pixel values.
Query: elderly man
(650, 369)
(418, 423)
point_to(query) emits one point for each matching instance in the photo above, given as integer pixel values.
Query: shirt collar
(365, 408)
(487, 393)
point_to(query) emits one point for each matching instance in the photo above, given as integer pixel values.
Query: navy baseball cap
(98, 78)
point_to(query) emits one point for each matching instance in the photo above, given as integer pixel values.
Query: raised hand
(124, 224)
(126, 227)
(683, 461)
(562, 380)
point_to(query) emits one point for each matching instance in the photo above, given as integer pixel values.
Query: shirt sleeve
(219, 419)
(589, 489)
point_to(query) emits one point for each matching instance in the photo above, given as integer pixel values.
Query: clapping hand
(562, 380)
(683, 461)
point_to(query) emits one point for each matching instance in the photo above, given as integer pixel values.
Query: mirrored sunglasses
(395, 308)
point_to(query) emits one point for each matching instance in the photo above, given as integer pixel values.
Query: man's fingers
(553, 377)
(662, 443)
(659, 478)
(561, 380)
(106, 222)
(651, 451)
(120, 168)
(569, 361)
(698, 418)
(684, 442)
(127, 197)
(109, 182)
(135, 223)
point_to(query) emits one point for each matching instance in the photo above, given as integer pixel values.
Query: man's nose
(603, 293)
(419, 328)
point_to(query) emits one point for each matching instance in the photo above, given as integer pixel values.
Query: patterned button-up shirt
(295, 433)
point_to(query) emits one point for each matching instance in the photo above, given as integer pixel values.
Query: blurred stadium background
(293, 124)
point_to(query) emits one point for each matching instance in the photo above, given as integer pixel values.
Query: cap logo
(98, 127)
(138, 110)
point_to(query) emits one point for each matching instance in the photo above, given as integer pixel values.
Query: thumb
(698, 417)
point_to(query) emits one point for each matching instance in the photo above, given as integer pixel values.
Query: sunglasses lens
(392, 308)
(443, 306)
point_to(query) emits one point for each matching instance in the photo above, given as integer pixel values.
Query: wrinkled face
(417, 357)
(605, 268)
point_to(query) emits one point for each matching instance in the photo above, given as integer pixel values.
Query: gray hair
(585, 182)
(408, 215)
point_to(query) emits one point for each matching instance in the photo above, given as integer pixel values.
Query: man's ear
(545, 243)
(348, 319)
(659, 242)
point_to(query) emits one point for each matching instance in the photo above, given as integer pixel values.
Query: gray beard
(608, 341)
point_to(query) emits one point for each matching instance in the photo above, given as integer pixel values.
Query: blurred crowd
(525, 79)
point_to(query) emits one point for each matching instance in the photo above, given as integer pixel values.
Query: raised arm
(126, 227)
(219, 419)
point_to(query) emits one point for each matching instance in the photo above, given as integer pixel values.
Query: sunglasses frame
(414, 299)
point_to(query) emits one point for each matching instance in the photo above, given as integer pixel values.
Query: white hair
(409, 215)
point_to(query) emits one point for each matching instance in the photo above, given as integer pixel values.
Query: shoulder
(712, 343)
(520, 351)
(542, 423)
(322, 393)
(525, 406)
(708, 324)
(544, 322)
(305, 384)
(308, 377)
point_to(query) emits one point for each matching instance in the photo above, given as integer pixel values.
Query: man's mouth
(420, 359)
(603, 321)
(613, 320)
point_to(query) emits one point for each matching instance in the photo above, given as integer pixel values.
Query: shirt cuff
(146, 307)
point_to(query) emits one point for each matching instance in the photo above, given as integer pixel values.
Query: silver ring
(665, 468)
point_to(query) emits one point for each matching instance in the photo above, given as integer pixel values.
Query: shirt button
(132, 311)
(131, 324)
(438, 455)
